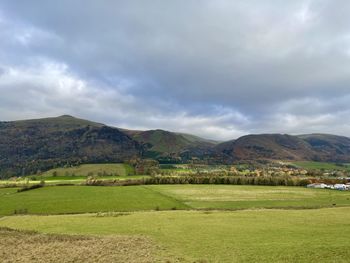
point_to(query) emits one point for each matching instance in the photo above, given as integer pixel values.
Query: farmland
(78, 174)
(117, 169)
(86, 199)
(27, 246)
(246, 197)
(316, 235)
(169, 223)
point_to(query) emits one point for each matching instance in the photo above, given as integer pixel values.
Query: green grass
(177, 171)
(83, 199)
(78, 174)
(83, 178)
(92, 169)
(321, 165)
(317, 235)
(246, 197)
(249, 235)
(54, 180)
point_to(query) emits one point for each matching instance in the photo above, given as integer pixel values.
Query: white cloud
(50, 89)
(219, 69)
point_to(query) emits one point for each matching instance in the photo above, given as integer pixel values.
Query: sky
(218, 69)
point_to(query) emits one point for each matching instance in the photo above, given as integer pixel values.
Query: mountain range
(29, 146)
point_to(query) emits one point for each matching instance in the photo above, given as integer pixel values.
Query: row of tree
(231, 180)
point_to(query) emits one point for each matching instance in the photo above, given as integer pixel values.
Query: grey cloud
(249, 66)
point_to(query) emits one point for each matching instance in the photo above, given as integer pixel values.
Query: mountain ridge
(38, 144)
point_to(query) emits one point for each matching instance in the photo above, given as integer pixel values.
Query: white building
(320, 186)
(340, 187)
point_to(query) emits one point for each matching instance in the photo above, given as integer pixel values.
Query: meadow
(232, 197)
(313, 235)
(173, 223)
(85, 199)
(116, 169)
(77, 174)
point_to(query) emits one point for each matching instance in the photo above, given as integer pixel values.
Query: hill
(162, 144)
(329, 147)
(312, 147)
(29, 146)
(32, 145)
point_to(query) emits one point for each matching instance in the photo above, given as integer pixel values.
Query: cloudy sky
(219, 69)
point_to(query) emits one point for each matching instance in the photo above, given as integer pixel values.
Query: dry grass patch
(236, 193)
(24, 246)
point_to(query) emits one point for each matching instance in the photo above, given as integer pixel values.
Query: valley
(160, 196)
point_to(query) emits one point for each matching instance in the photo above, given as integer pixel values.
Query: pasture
(78, 174)
(84, 199)
(212, 223)
(247, 196)
(116, 169)
(313, 235)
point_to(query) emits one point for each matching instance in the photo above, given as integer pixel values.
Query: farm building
(341, 187)
(317, 185)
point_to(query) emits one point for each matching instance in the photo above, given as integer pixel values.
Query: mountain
(32, 145)
(165, 145)
(316, 147)
(267, 146)
(329, 147)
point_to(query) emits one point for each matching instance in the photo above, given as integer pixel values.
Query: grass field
(121, 224)
(118, 169)
(321, 165)
(243, 197)
(78, 174)
(82, 199)
(316, 235)
(54, 180)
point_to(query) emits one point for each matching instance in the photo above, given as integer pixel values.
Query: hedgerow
(230, 180)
